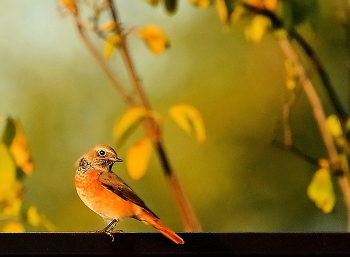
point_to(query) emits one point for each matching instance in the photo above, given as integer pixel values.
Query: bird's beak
(116, 159)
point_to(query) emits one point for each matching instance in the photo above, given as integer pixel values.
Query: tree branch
(320, 117)
(152, 129)
(278, 23)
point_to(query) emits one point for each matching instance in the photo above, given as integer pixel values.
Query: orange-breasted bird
(108, 195)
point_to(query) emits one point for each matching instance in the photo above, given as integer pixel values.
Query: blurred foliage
(15, 164)
(236, 176)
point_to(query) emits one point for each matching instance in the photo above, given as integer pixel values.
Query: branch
(187, 214)
(320, 117)
(295, 151)
(278, 23)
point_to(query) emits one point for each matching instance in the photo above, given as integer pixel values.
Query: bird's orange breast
(101, 200)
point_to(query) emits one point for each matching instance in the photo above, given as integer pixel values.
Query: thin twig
(293, 149)
(287, 130)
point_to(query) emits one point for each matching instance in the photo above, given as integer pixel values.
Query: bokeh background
(236, 180)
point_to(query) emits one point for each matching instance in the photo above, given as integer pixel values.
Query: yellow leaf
(110, 45)
(189, 119)
(13, 226)
(320, 190)
(20, 150)
(237, 13)
(7, 173)
(334, 126)
(153, 2)
(155, 38)
(270, 4)
(222, 11)
(200, 3)
(33, 216)
(128, 121)
(137, 158)
(108, 26)
(12, 205)
(71, 6)
(256, 30)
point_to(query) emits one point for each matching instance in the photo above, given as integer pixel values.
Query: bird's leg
(109, 228)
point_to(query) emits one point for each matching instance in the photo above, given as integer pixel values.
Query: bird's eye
(101, 153)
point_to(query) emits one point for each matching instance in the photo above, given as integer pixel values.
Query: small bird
(109, 196)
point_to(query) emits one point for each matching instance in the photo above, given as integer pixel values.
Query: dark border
(156, 244)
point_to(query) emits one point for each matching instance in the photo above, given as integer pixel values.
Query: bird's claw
(108, 230)
(110, 234)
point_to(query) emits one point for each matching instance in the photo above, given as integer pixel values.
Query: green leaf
(9, 132)
(171, 6)
(298, 11)
(229, 7)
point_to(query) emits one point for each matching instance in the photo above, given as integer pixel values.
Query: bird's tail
(150, 219)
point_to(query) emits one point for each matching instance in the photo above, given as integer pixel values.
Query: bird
(105, 193)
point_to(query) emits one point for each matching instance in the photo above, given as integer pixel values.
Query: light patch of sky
(38, 29)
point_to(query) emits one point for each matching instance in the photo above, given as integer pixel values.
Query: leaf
(108, 26)
(137, 158)
(20, 150)
(155, 39)
(110, 45)
(12, 205)
(71, 6)
(296, 12)
(201, 3)
(271, 4)
(9, 132)
(225, 9)
(13, 226)
(153, 2)
(334, 126)
(7, 173)
(33, 216)
(37, 220)
(256, 30)
(171, 6)
(222, 11)
(190, 120)
(237, 13)
(320, 190)
(128, 121)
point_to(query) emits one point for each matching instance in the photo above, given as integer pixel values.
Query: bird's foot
(109, 229)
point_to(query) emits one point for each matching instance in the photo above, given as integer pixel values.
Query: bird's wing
(115, 184)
